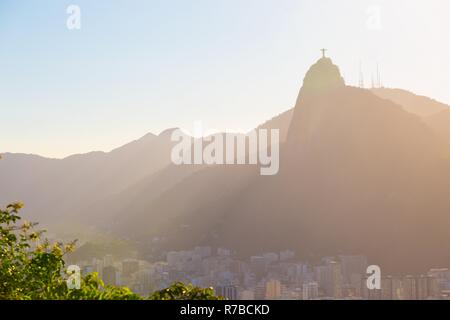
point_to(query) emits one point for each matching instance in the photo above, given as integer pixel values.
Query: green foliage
(32, 268)
(180, 291)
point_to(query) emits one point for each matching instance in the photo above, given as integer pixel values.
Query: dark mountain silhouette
(435, 114)
(358, 174)
(419, 105)
(280, 122)
(64, 189)
(362, 171)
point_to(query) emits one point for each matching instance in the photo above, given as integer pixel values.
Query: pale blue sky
(143, 66)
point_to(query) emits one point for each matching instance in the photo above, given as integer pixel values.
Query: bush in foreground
(33, 269)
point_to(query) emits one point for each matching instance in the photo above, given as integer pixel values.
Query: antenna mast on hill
(377, 82)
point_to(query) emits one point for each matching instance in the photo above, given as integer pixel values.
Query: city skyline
(268, 276)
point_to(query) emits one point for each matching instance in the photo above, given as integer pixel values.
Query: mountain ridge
(359, 173)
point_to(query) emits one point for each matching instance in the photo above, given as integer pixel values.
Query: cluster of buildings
(272, 275)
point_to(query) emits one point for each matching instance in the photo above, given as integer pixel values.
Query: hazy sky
(144, 66)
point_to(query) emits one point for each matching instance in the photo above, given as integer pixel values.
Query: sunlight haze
(144, 66)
